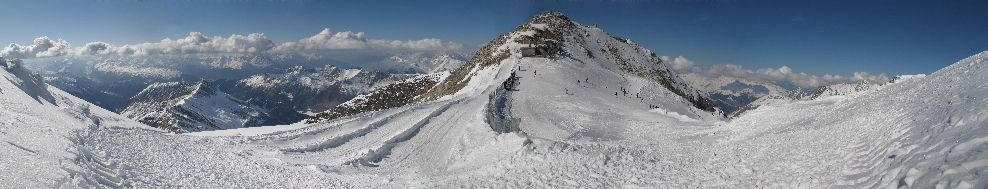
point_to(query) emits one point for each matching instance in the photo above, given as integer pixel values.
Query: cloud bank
(782, 75)
(198, 43)
(194, 43)
(42, 47)
(326, 40)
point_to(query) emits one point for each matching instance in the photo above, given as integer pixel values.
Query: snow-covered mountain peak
(294, 70)
(189, 107)
(553, 37)
(549, 20)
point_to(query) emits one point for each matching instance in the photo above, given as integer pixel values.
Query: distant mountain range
(288, 85)
(730, 94)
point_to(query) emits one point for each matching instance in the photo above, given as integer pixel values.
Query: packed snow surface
(923, 132)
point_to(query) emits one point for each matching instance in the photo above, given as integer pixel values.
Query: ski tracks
(341, 144)
(375, 156)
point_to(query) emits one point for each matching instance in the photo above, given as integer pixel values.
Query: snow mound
(28, 82)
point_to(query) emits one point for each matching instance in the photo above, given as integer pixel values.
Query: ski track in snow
(919, 133)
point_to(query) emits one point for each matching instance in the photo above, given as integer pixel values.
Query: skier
(586, 80)
(567, 90)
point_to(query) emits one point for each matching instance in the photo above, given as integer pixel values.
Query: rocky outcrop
(394, 95)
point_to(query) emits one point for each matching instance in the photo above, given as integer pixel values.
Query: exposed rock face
(841, 89)
(394, 95)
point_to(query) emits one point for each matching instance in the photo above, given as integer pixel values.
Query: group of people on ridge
(510, 83)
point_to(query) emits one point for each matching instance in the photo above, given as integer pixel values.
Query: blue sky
(808, 36)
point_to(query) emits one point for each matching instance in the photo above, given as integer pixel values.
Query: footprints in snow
(92, 170)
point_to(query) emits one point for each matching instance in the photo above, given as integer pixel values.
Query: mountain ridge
(182, 107)
(552, 34)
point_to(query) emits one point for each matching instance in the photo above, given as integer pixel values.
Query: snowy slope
(448, 142)
(864, 139)
(920, 133)
(201, 106)
(592, 51)
(43, 131)
(50, 139)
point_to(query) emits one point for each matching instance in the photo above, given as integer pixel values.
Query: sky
(818, 38)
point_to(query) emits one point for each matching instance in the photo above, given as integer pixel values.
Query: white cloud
(782, 75)
(680, 63)
(785, 70)
(198, 43)
(102, 48)
(42, 47)
(194, 43)
(347, 40)
(424, 44)
(326, 40)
